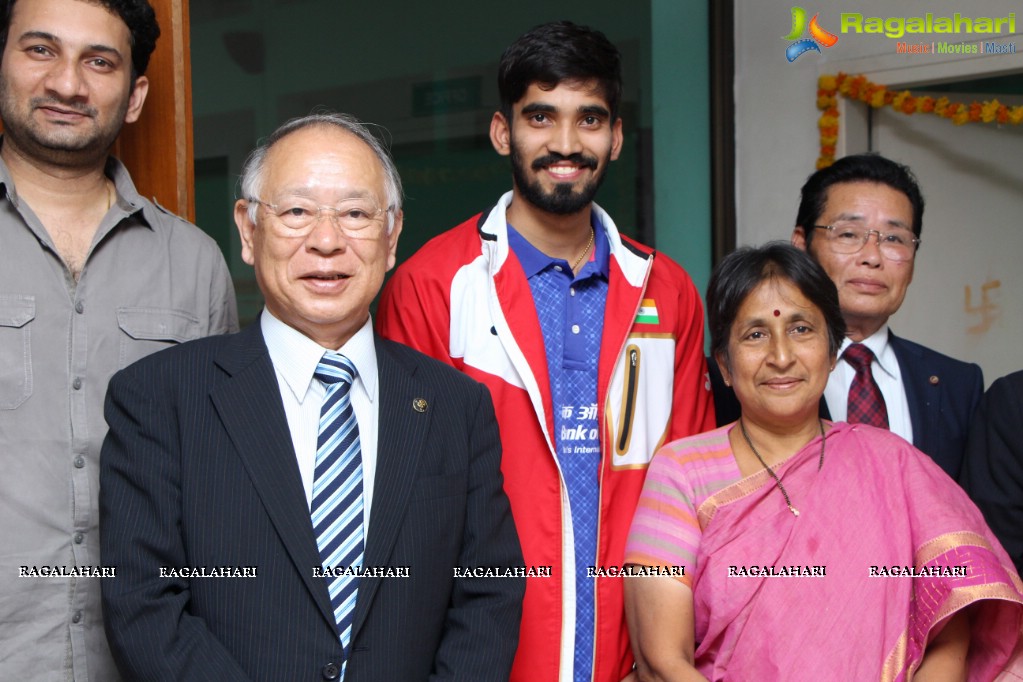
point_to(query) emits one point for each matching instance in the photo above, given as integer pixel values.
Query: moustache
(77, 107)
(553, 158)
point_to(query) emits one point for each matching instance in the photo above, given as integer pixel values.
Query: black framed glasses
(850, 237)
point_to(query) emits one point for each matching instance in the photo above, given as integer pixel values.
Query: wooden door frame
(157, 148)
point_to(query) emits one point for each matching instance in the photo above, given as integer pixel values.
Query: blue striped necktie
(337, 505)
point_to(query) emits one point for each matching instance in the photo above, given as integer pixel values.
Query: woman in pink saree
(809, 550)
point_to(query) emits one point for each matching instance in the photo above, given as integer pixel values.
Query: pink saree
(876, 510)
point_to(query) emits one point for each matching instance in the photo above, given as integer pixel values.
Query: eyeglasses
(848, 238)
(358, 218)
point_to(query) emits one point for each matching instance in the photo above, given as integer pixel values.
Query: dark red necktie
(866, 404)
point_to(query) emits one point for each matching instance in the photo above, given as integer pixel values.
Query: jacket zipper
(629, 399)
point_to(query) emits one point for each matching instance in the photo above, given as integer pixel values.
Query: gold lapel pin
(934, 380)
(419, 404)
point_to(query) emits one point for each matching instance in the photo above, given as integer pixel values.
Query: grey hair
(255, 166)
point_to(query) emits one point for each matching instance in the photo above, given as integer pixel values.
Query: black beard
(562, 200)
(73, 152)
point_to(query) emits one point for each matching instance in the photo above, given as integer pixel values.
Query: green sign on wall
(446, 96)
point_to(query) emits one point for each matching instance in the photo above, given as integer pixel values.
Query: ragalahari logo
(818, 36)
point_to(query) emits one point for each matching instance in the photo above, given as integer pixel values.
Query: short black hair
(857, 168)
(553, 53)
(742, 271)
(138, 16)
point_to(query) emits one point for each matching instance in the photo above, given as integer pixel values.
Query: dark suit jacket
(941, 392)
(199, 470)
(993, 470)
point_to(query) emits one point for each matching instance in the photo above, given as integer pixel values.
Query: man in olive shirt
(92, 278)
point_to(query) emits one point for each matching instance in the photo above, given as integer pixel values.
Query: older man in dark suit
(861, 219)
(297, 501)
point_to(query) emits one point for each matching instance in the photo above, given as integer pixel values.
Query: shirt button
(79, 307)
(571, 291)
(77, 617)
(558, 268)
(79, 539)
(575, 329)
(79, 462)
(77, 383)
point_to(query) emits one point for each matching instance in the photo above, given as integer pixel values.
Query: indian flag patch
(647, 313)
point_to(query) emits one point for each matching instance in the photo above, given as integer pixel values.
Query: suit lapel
(401, 430)
(923, 404)
(249, 405)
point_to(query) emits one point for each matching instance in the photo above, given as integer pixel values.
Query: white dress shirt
(295, 356)
(888, 376)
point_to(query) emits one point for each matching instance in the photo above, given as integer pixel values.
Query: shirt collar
(879, 346)
(5, 178)
(295, 355)
(127, 196)
(535, 261)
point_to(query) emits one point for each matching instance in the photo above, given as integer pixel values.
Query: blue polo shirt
(571, 312)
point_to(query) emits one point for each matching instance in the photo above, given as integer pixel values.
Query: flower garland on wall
(829, 87)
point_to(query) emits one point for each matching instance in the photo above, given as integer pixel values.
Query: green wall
(426, 74)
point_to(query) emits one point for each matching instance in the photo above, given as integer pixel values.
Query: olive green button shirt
(150, 280)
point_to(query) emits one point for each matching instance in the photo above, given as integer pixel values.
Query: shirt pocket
(147, 330)
(16, 312)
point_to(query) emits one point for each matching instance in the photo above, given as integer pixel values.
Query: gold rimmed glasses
(848, 238)
(357, 218)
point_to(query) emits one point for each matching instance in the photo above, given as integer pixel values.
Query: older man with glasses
(343, 491)
(860, 218)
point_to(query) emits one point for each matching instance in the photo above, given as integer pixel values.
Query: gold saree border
(958, 599)
(935, 547)
(896, 660)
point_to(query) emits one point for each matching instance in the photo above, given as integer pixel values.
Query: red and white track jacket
(464, 299)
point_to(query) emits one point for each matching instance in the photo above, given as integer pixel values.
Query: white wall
(966, 299)
(777, 147)
(776, 120)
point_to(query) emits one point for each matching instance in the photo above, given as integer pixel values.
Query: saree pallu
(877, 509)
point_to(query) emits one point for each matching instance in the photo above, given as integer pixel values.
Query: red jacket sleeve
(693, 404)
(416, 311)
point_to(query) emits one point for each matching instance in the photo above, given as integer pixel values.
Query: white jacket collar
(494, 235)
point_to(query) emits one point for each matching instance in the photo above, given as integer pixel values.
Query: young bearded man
(591, 344)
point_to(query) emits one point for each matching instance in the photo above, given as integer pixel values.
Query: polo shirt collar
(535, 261)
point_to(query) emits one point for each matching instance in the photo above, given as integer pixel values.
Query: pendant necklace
(777, 480)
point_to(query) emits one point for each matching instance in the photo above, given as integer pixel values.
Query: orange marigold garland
(829, 87)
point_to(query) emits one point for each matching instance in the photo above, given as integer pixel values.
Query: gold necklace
(585, 251)
(784, 493)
